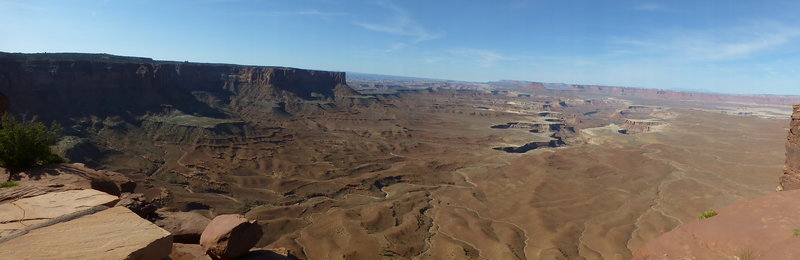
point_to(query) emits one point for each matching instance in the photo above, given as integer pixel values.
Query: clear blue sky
(722, 46)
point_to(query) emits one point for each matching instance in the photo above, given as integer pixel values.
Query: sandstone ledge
(115, 233)
(762, 228)
(22, 213)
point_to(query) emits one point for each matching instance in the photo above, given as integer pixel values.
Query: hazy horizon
(714, 46)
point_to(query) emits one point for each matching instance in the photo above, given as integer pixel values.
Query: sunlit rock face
(791, 171)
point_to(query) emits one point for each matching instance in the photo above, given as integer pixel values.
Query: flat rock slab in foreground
(25, 212)
(761, 228)
(115, 233)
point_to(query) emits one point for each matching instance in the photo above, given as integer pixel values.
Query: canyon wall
(77, 85)
(791, 170)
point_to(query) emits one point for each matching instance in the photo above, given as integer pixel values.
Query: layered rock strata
(791, 170)
(115, 233)
(632, 126)
(78, 85)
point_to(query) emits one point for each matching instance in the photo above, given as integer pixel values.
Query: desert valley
(341, 166)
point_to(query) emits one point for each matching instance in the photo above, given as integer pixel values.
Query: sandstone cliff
(77, 85)
(641, 125)
(791, 170)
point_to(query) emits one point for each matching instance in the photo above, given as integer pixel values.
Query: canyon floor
(336, 168)
(416, 176)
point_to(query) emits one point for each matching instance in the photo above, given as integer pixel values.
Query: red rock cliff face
(92, 84)
(791, 170)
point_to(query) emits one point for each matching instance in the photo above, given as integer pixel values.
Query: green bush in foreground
(709, 213)
(25, 144)
(796, 232)
(8, 184)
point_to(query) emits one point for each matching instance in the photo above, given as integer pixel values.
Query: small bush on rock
(26, 143)
(8, 184)
(709, 213)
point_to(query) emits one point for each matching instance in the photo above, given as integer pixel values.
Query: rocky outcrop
(139, 204)
(186, 227)
(188, 129)
(268, 254)
(791, 170)
(182, 251)
(761, 228)
(195, 252)
(632, 126)
(230, 236)
(63, 177)
(115, 233)
(49, 85)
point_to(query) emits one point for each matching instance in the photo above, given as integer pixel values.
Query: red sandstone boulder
(230, 236)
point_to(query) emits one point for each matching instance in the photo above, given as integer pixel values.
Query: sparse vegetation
(709, 213)
(746, 254)
(796, 232)
(26, 143)
(8, 184)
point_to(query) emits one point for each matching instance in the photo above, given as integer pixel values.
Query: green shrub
(709, 213)
(796, 232)
(26, 143)
(8, 184)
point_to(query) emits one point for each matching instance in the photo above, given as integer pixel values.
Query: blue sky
(720, 46)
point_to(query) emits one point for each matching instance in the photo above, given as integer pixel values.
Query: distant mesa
(641, 93)
(553, 128)
(635, 126)
(106, 85)
(507, 87)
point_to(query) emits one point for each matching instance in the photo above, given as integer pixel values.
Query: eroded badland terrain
(406, 168)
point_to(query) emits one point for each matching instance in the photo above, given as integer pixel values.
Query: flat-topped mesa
(75, 85)
(791, 170)
(641, 125)
(625, 92)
